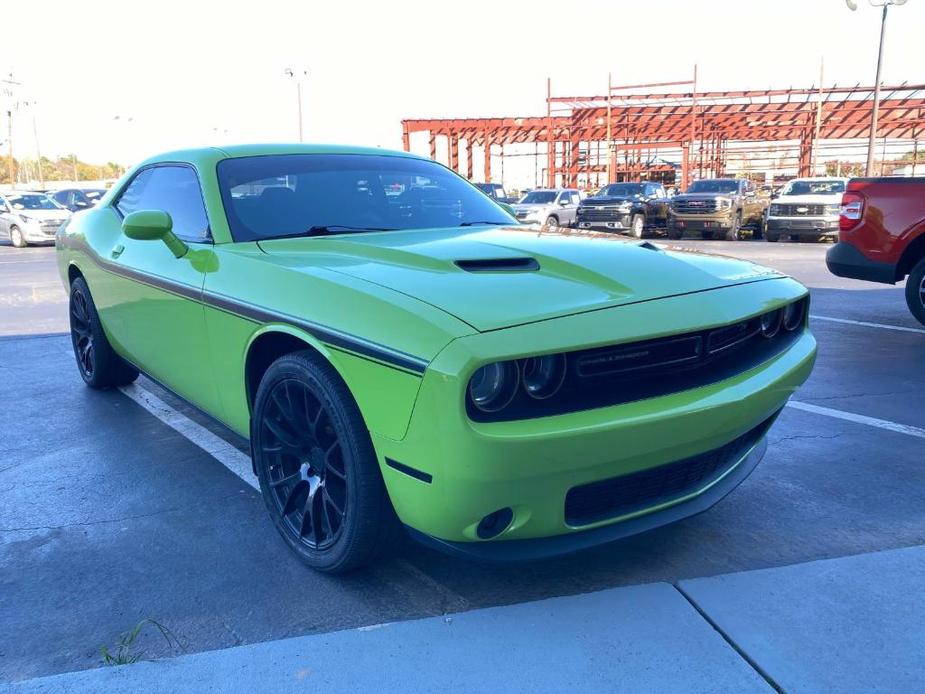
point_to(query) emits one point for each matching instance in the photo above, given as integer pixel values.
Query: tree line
(30, 170)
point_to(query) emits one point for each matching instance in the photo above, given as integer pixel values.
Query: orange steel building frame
(614, 136)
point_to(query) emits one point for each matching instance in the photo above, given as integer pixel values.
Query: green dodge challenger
(400, 352)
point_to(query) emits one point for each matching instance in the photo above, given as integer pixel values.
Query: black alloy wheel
(305, 467)
(98, 364)
(318, 470)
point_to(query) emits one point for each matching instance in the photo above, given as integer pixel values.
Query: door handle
(117, 251)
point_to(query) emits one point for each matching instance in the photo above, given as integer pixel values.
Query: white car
(30, 218)
(554, 207)
(806, 208)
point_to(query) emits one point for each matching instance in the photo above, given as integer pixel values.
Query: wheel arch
(73, 272)
(914, 252)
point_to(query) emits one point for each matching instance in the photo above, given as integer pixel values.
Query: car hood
(702, 196)
(616, 200)
(808, 199)
(498, 277)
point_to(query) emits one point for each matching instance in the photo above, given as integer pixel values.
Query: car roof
(211, 155)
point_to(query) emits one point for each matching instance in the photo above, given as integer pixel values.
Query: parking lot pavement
(109, 516)
(31, 297)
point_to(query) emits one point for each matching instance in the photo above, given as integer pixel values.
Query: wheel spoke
(288, 479)
(292, 501)
(283, 438)
(329, 500)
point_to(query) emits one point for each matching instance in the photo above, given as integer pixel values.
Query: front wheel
(99, 365)
(318, 471)
(16, 237)
(915, 291)
(637, 226)
(735, 232)
(675, 233)
(552, 222)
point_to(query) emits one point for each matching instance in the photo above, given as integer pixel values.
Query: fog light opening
(494, 523)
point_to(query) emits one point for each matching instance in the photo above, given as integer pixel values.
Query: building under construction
(674, 133)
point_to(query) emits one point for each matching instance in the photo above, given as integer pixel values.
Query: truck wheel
(16, 237)
(735, 231)
(675, 234)
(771, 238)
(637, 226)
(915, 291)
(552, 222)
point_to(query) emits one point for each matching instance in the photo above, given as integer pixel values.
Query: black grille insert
(618, 496)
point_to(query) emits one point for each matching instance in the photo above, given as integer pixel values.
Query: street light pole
(869, 171)
(289, 72)
(875, 114)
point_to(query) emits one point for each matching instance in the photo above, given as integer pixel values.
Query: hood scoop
(499, 265)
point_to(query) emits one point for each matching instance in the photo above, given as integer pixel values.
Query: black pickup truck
(637, 208)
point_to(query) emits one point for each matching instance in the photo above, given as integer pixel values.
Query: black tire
(99, 365)
(552, 222)
(309, 440)
(735, 231)
(772, 238)
(915, 291)
(675, 233)
(760, 230)
(638, 226)
(16, 237)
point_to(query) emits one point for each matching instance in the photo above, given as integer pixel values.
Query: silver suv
(554, 207)
(30, 218)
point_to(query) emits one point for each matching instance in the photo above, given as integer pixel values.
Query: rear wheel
(16, 237)
(915, 291)
(318, 471)
(99, 365)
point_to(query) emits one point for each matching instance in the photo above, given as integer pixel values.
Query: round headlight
(793, 316)
(770, 323)
(493, 386)
(543, 376)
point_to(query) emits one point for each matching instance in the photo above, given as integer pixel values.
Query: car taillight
(852, 209)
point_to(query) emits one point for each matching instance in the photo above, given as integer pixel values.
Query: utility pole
(289, 72)
(9, 141)
(74, 164)
(818, 118)
(609, 133)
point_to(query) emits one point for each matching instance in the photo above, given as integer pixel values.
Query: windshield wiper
(472, 224)
(325, 229)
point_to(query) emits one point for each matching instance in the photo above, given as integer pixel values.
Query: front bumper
(615, 222)
(803, 226)
(473, 469)
(700, 223)
(37, 232)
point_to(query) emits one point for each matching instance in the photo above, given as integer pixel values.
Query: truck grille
(599, 214)
(694, 206)
(797, 210)
(618, 496)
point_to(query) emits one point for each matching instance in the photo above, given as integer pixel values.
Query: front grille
(704, 206)
(600, 214)
(628, 372)
(618, 496)
(797, 210)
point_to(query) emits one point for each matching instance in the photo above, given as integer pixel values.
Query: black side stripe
(330, 336)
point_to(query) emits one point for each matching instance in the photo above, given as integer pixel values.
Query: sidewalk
(853, 623)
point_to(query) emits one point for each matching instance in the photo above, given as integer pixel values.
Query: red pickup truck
(882, 235)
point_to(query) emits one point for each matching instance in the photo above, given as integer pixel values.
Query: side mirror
(563, 203)
(153, 225)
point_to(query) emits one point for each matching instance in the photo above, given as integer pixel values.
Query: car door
(656, 203)
(567, 208)
(4, 217)
(160, 315)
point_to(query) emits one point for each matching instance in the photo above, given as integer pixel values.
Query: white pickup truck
(806, 208)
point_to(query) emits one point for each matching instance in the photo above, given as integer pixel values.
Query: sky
(123, 80)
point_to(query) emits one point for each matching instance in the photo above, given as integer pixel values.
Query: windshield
(620, 190)
(35, 201)
(714, 186)
(814, 188)
(538, 197)
(290, 194)
(94, 194)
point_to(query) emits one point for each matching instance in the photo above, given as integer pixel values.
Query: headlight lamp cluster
(493, 386)
(788, 318)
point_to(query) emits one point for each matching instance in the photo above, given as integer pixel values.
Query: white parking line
(882, 326)
(216, 446)
(859, 419)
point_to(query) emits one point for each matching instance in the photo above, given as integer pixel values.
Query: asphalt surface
(109, 516)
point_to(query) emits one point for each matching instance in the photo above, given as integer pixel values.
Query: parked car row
(34, 216)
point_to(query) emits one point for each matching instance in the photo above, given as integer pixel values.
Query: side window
(174, 189)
